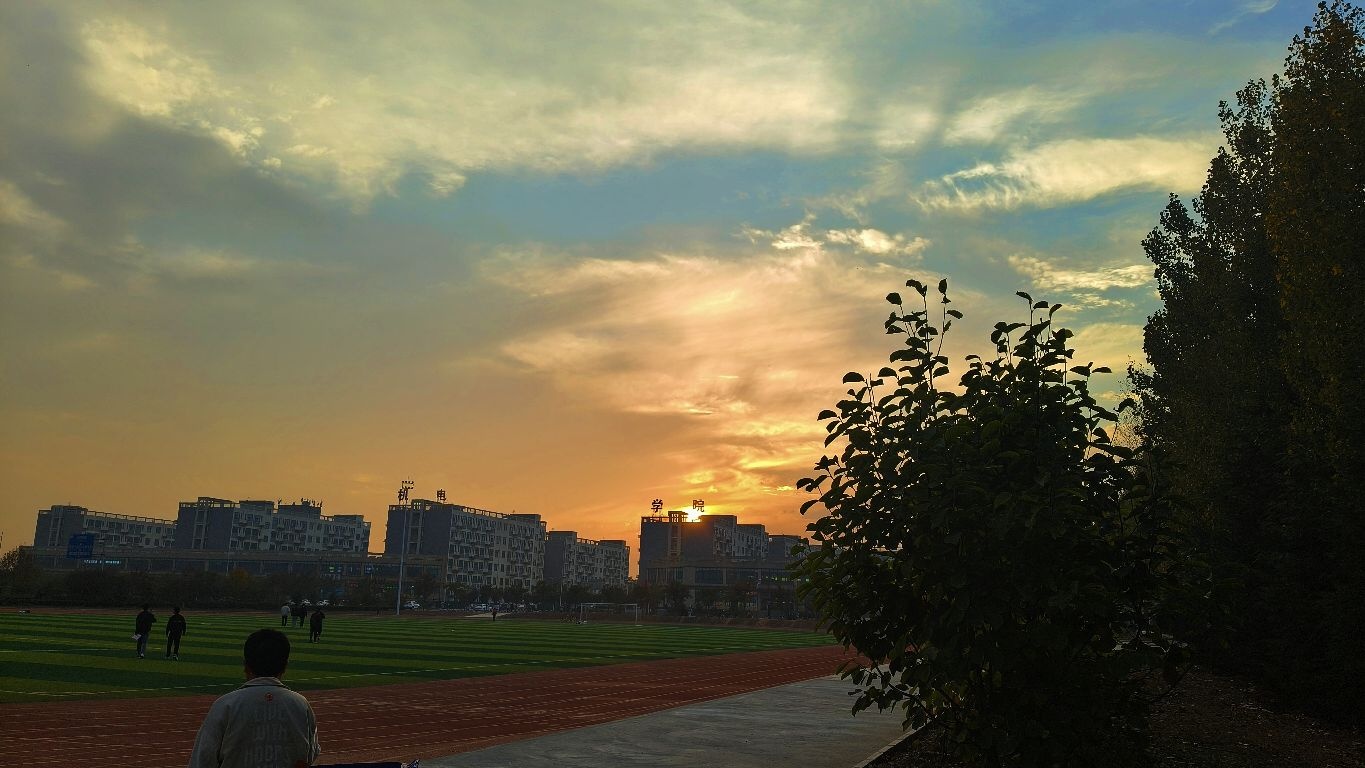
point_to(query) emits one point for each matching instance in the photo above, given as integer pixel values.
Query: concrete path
(806, 724)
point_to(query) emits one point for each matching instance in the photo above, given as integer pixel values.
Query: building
(57, 524)
(222, 525)
(481, 548)
(336, 571)
(303, 528)
(572, 561)
(712, 551)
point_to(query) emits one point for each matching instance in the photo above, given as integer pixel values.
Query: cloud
(1050, 277)
(988, 119)
(1245, 9)
(1071, 171)
(19, 211)
(1109, 344)
(29, 234)
(446, 91)
(746, 346)
(143, 72)
(877, 242)
(1096, 301)
(63, 279)
(905, 123)
(801, 236)
(199, 264)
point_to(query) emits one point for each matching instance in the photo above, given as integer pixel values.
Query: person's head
(146, 607)
(175, 609)
(265, 653)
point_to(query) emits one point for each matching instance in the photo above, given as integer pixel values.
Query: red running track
(407, 720)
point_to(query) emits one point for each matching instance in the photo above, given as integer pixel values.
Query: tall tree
(1316, 228)
(1258, 364)
(1210, 402)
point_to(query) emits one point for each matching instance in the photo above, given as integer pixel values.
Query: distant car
(324, 603)
(412, 605)
(478, 607)
(307, 602)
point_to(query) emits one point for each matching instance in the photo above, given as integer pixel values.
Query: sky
(560, 258)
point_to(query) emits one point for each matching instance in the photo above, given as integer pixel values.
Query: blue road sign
(80, 546)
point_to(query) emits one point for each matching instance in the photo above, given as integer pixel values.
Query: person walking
(315, 625)
(175, 629)
(285, 610)
(262, 724)
(142, 627)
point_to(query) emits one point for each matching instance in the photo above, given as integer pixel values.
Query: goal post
(618, 611)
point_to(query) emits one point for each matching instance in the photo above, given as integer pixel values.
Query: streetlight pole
(403, 489)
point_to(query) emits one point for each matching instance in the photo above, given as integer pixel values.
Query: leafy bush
(1005, 567)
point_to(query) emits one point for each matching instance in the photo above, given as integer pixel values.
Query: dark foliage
(1258, 367)
(1010, 571)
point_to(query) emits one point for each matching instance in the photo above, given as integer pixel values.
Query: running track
(407, 720)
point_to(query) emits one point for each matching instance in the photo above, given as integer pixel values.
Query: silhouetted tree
(425, 585)
(676, 595)
(545, 594)
(646, 594)
(20, 575)
(1258, 366)
(1008, 570)
(367, 592)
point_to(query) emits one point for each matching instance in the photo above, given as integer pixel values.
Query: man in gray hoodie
(262, 724)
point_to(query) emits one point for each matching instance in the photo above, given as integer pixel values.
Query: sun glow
(698, 509)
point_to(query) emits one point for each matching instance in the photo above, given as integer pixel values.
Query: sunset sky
(553, 257)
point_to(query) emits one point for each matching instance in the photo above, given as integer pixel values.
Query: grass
(75, 656)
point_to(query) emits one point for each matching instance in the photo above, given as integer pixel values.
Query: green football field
(73, 656)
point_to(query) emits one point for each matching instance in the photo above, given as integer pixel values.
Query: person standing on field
(262, 724)
(285, 610)
(175, 628)
(142, 627)
(315, 625)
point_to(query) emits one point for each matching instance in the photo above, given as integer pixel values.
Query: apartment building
(57, 524)
(223, 525)
(711, 551)
(570, 560)
(481, 548)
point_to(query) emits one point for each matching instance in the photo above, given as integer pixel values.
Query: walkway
(806, 724)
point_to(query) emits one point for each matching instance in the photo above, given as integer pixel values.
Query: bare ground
(1209, 721)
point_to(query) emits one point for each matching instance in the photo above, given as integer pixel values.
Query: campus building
(59, 523)
(336, 571)
(223, 525)
(712, 551)
(571, 561)
(480, 548)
